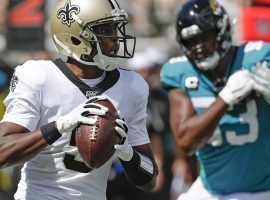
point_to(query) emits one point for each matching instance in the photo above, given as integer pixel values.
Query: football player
(49, 99)
(219, 98)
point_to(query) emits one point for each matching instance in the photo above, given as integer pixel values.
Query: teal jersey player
(237, 157)
(219, 97)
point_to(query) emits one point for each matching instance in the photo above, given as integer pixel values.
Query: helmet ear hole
(75, 41)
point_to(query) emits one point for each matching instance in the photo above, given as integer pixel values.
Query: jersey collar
(109, 81)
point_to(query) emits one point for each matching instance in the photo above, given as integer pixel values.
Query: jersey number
(73, 162)
(248, 118)
(253, 46)
(27, 13)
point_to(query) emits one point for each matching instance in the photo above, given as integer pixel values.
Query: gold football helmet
(80, 27)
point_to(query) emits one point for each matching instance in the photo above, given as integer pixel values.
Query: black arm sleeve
(140, 169)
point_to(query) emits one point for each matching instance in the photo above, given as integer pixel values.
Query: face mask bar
(200, 46)
(125, 43)
(128, 41)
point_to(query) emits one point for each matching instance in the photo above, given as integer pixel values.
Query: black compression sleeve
(140, 169)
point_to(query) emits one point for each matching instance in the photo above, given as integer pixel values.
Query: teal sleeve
(170, 75)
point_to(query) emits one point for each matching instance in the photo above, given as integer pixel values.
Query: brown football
(96, 143)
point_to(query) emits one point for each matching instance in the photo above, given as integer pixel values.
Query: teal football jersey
(237, 156)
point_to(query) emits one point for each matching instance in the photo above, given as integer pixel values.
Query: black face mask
(200, 46)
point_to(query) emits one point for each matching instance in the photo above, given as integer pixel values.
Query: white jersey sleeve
(24, 98)
(136, 107)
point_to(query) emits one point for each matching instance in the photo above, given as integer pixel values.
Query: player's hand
(261, 78)
(121, 128)
(238, 86)
(68, 122)
(123, 150)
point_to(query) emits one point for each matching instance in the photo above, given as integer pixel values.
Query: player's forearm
(141, 171)
(15, 149)
(195, 131)
(149, 186)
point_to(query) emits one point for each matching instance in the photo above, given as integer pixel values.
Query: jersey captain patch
(192, 83)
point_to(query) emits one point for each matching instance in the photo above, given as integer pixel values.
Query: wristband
(50, 132)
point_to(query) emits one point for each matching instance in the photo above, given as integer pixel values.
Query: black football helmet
(199, 23)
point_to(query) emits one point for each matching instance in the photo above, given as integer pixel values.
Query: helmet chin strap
(106, 63)
(209, 63)
(101, 61)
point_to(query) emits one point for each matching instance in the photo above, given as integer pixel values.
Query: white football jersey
(42, 91)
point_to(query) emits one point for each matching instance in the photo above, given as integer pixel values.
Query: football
(96, 142)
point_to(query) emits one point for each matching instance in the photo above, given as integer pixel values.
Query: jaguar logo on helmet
(66, 12)
(213, 5)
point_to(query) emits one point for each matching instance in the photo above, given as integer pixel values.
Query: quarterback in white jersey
(49, 99)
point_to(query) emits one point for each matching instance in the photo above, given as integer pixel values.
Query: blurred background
(25, 35)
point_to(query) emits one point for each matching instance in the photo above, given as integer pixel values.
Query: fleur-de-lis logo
(65, 13)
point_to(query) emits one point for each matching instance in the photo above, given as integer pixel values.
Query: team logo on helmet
(213, 5)
(66, 12)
